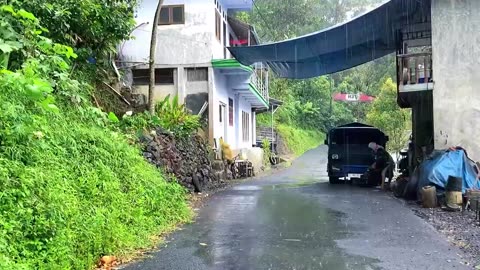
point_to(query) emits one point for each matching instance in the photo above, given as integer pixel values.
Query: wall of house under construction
(456, 62)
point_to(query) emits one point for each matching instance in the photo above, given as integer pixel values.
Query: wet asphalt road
(295, 220)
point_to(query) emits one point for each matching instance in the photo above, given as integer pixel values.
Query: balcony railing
(415, 72)
(260, 80)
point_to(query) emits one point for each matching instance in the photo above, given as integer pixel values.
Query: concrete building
(438, 76)
(194, 63)
(456, 58)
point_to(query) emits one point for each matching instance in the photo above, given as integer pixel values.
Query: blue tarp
(360, 40)
(437, 169)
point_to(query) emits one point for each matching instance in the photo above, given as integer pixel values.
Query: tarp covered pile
(442, 164)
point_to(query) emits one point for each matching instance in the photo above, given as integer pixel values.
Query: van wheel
(333, 180)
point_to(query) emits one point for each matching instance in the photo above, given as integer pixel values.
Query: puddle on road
(283, 229)
(301, 182)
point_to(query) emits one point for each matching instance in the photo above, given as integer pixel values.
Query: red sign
(353, 97)
(238, 42)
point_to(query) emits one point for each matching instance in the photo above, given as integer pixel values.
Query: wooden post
(416, 70)
(425, 74)
(153, 46)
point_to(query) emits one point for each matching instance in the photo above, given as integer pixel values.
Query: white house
(193, 61)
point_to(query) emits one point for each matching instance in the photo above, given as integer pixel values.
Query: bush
(93, 27)
(267, 152)
(169, 115)
(174, 117)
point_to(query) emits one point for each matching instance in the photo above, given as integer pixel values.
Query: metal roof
(360, 40)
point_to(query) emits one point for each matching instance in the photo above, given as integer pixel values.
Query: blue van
(348, 152)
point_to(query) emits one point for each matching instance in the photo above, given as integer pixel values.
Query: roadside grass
(77, 192)
(297, 140)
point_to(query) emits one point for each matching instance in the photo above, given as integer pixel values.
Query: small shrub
(267, 152)
(174, 117)
(169, 115)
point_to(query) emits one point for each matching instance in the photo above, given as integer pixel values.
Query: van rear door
(351, 144)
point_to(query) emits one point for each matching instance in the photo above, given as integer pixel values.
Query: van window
(356, 136)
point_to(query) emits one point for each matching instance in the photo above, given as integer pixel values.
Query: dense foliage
(93, 27)
(386, 115)
(71, 188)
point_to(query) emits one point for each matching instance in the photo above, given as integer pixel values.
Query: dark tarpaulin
(360, 40)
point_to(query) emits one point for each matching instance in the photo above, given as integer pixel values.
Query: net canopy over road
(360, 40)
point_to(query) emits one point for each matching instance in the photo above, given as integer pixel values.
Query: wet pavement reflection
(295, 220)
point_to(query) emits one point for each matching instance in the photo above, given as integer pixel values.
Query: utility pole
(153, 47)
(331, 99)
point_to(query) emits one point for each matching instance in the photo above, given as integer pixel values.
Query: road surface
(295, 220)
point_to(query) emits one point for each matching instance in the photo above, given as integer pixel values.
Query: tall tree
(153, 48)
(389, 117)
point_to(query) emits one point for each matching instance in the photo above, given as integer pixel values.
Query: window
(245, 126)
(220, 113)
(162, 76)
(218, 25)
(230, 112)
(197, 74)
(172, 15)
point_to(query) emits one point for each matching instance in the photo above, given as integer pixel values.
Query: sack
(226, 151)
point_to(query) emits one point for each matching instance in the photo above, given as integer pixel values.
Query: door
(222, 121)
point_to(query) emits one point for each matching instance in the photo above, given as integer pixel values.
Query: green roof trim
(254, 90)
(230, 63)
(234, 64)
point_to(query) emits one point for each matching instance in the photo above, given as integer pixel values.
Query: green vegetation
(300, 140)
(93, 27)
(169, 114)
(267, 152)
(386, 115)
(71, 187)
(308, 108)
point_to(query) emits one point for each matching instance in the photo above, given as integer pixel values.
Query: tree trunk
(153, 46)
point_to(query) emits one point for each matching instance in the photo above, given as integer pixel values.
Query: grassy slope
(297, 140)
(72, 189)
(300, 140)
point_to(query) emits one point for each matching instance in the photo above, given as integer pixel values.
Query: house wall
(182, 44)
(245, 106)
(224, 91)
(221, 95)
(456, 65)
(160, 90)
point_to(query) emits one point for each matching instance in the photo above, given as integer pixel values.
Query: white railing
(260, 80)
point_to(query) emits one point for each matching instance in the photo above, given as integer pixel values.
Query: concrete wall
(456, 69)
(161, 90)
(182, 44)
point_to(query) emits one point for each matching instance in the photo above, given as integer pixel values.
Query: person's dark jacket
(381, 158)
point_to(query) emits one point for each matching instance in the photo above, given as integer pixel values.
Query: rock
(196, 183)
(186, 158)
